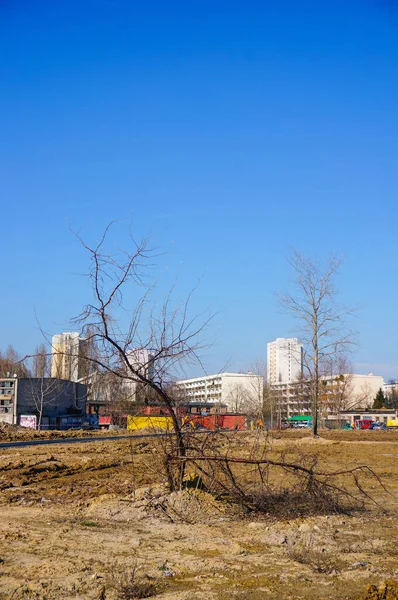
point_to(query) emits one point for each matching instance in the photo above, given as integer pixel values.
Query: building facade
(236, 390)
(67, 363)
(43, 400)
(351, 416)
(391, 388)
(337, 393)
(8, 394)
(284, 361)
(290, 399)
(349, 391)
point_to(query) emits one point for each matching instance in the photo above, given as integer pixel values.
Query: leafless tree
(12, 364)
(42, 392)
(239, 399)
(363, 397)
(258, 389)
(337, 386)
(323, 323)
(271, 404)
(339, 391)
(155, 341)
(87, 354)
(41, 362)
(258, 478)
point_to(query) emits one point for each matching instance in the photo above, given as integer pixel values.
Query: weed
(133, 589)
(319, 559)
(129, 586)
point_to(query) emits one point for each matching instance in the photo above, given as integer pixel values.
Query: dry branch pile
(256, 480)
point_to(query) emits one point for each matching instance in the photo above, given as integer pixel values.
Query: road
(89, 439)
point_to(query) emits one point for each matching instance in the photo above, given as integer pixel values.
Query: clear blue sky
(229, 131)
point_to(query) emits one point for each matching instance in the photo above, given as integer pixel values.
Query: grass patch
(253, 547)
(89, 524)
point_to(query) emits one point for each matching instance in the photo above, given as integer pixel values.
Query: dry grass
(129, 585)
(321, 560)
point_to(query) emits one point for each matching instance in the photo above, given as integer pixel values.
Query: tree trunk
(315, 391)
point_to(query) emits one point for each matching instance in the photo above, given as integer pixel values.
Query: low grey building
(46, 403)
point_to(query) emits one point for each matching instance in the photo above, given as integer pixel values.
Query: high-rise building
(284, 360)
(142, 360)
(67, 352)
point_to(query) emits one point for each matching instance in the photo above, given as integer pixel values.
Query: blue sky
(228, 132)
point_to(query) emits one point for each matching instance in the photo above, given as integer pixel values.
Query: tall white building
(142, 359)
(66, 361)
(284, 360)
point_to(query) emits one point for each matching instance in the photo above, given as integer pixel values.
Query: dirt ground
(78, 520)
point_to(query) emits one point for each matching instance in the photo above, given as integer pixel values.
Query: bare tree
(165, 333)
(258, 388)
(12, 364)
(337, 386)
(239, 399)
(42, 392)
(322, 321)
(271, 405)
(41, 362)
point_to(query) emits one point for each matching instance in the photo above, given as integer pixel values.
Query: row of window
(204, 382)
(6, 392)
(6, 384)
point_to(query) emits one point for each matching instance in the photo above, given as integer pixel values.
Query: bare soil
(87, 520)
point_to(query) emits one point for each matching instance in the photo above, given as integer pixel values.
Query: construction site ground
(82, 521)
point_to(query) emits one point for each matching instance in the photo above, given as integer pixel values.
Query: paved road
(88, 439)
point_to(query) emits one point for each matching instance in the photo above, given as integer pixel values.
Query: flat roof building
(235, 390)
(284, 360)
(41, 402)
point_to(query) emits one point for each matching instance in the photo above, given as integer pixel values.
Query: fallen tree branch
(315, 491)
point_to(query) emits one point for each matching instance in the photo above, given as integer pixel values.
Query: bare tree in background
(41, 362)
(322, 322)
(42, 392)
(125, 323)
(361, 398)
(239, 399)
(11, 364)
(256, 401)
(336, 386)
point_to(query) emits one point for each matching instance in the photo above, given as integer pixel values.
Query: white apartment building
(67, 349)
(290, 399)
(349, 391)
(390, 388)
(284, 361)
(354, 389)
(236, 390)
